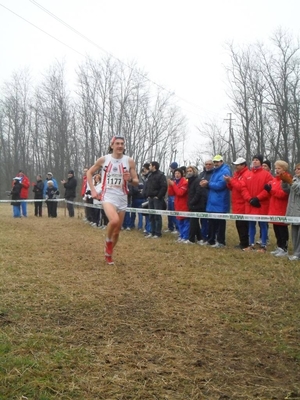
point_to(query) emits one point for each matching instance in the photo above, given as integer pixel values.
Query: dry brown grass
(168, 321)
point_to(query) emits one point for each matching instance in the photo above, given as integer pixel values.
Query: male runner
(117, 170)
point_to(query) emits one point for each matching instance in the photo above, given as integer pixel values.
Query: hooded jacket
(293, 207)
(218, 194)
(38, 189)
(70, 186)
(197, 195)
(156, 185)
(278, 199)
(235, 185)
(180, 191)
(253, 186)
(25, 183)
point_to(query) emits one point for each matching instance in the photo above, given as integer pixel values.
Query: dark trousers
(70, 207)
(243, 231)
(156, 220)
(38, 207)
(89, 210)
(282, 236)
(195, 231)
(52, 208)
(204, 228)
(216, 231)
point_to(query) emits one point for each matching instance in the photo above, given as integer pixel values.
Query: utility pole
(230, 123)
(231, 137)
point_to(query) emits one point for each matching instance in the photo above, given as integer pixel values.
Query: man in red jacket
(25, 183)
(238, 203)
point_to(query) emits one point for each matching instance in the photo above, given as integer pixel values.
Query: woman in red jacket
(25, 183)
(179, 188)
(278, 205)
(257, 200)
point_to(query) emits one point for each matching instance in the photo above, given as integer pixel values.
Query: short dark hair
(146, 165)
(179, 170)
(155, 164)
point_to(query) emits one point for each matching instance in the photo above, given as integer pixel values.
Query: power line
(111, 55)
(53, 37)
(99, 47)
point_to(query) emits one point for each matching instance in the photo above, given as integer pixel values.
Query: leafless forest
(46, 125)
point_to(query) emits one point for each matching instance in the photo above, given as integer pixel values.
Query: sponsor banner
(188, 214)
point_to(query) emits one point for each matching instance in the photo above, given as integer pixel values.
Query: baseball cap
(239, 161)
(217, 158)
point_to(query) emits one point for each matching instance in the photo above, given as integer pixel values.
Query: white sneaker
(167, 230)
(148, 236)
(155, 237)
(188, 242)
(294, 258)
(218, 245)
(174, 232)
(128, 229)
(179, 240)
(277, 250)
(281, 253)
(201, 242)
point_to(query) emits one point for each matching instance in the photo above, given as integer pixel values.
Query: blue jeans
(184, 228)
(24, 208)
(137, 203)
(263, 230)
(147, 224)
(126, 222)
(17, 211)
(172, 221)
(155, 220)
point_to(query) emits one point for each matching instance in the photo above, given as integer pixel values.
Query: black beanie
(259, 157)
(268, 163)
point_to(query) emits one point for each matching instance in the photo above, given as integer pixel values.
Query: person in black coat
(51, 196)
(197, 198)
(155, 191)
(15, 195)
(206, 174)
(70, 192)
(38, 190)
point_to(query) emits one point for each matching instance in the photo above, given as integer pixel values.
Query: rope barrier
(187, 214)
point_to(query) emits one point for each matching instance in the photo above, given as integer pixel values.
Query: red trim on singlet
(108, 169)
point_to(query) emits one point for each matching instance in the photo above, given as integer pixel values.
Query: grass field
(168, 321)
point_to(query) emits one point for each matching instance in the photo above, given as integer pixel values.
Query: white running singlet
(114, 188)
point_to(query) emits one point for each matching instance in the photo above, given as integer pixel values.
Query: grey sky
(179, 43)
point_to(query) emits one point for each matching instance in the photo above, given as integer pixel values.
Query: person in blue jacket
(49, 178)
(218, 201)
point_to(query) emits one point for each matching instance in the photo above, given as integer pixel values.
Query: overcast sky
(180, 44)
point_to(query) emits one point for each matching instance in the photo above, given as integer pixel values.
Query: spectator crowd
(250, 190)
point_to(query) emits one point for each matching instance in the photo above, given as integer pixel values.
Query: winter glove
(268, 187)
(286, 177)
(255, 202)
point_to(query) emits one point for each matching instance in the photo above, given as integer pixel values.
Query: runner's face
(118, 146)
